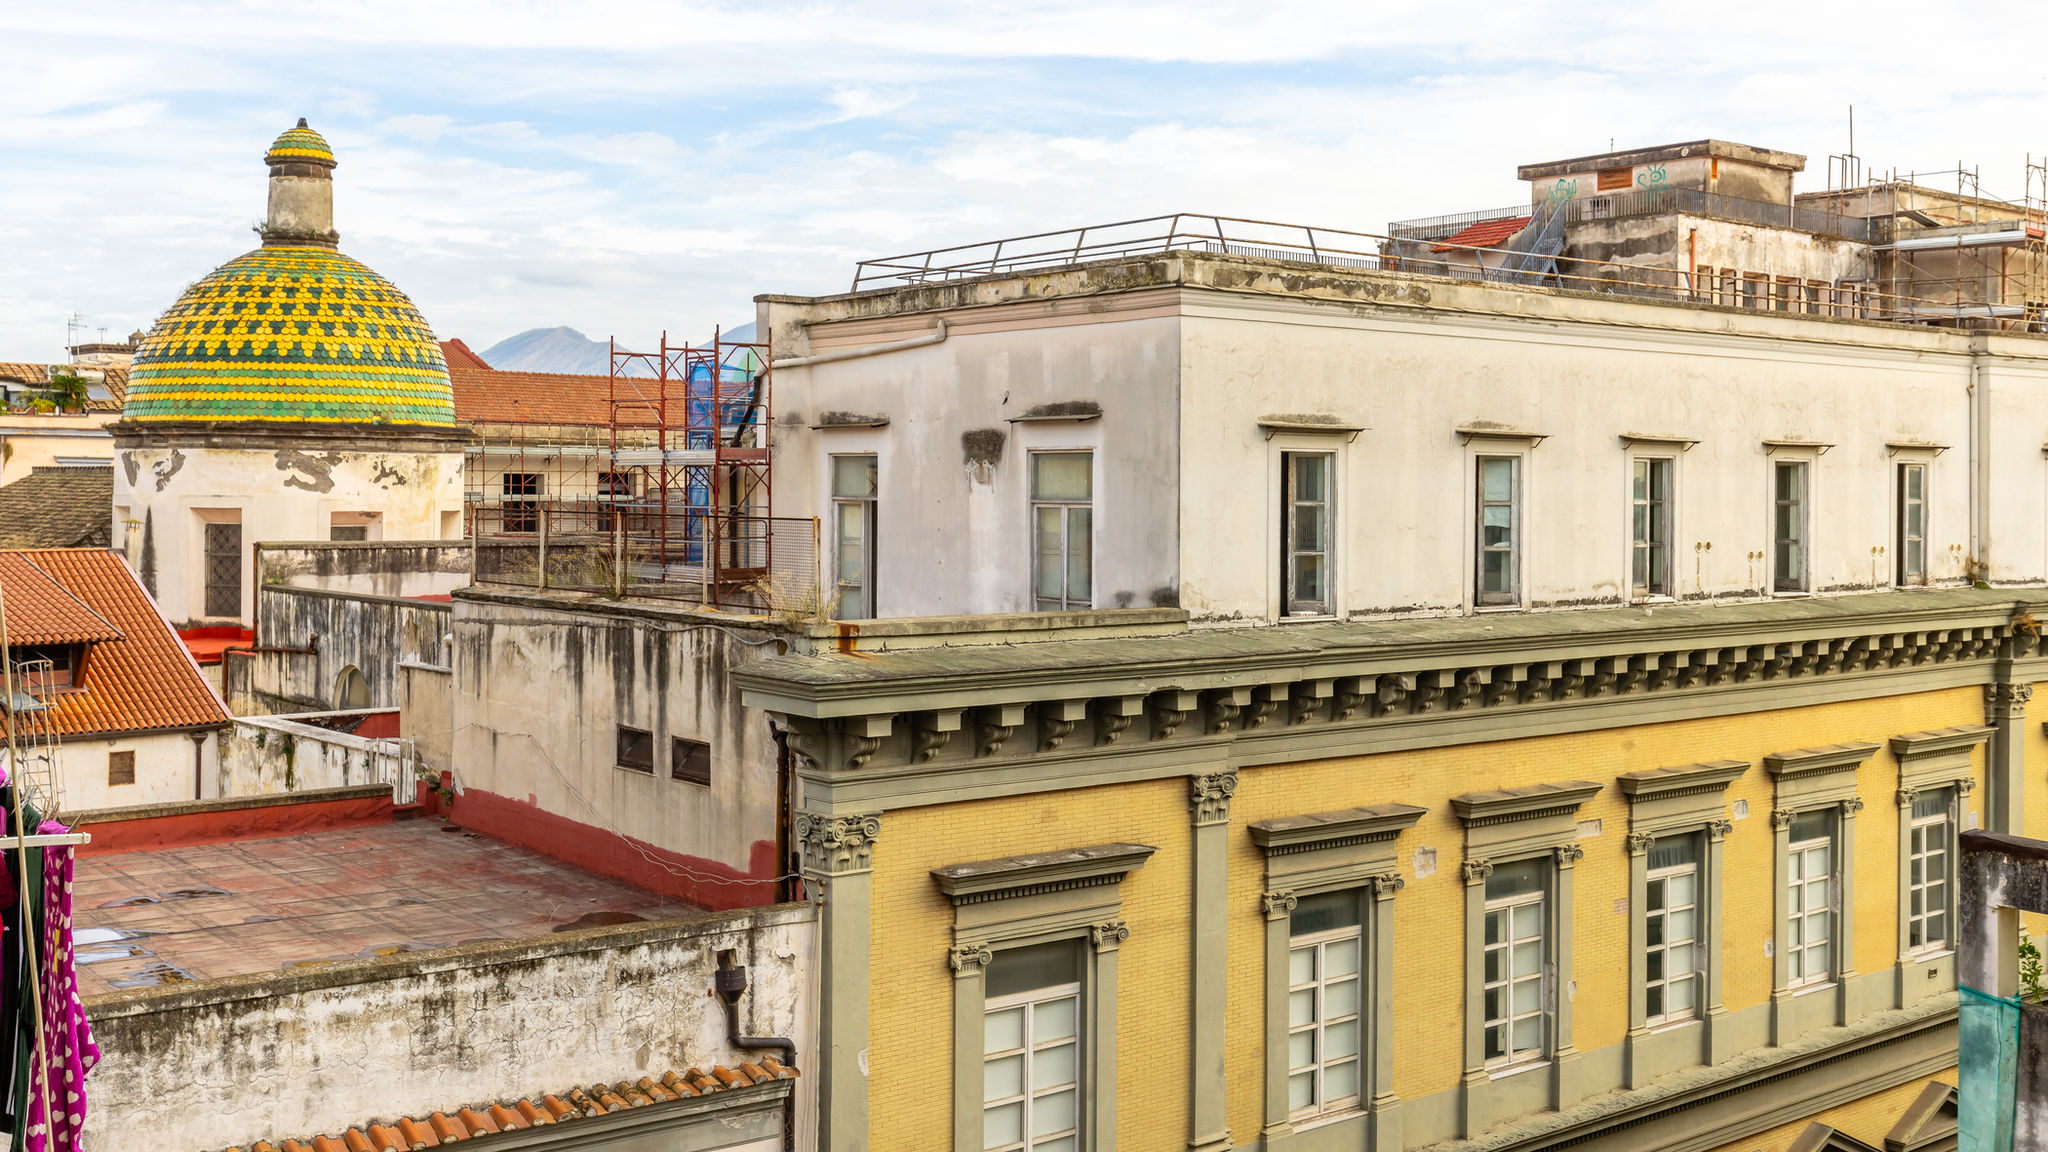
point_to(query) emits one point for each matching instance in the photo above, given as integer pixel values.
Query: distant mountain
(567, 350)
(550, 350)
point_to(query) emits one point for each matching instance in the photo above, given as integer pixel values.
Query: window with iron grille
(690, 760)
(636, 750)
(120, 768)
(349, 532)
(223, 569)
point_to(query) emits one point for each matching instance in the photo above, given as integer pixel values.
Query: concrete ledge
(183, 822)
(456, 957)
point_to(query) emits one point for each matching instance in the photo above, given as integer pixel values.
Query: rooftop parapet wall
(228, 1062)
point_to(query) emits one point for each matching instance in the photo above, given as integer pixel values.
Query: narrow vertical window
(1788, 526)
(1809, 904)
(1062, 488)
(1031, 1051)
(1325, 948)
(1305, 507)
(854, 491)
(1515, 996)
(1912, 552)
(1499, 533)
(1928, 871)
(1650, 526)
(224, 569)
(1671, 931)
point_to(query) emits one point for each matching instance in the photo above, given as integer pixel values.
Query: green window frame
(1062, 530)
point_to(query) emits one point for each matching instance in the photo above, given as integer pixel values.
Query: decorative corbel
(1430, 688)
(1571, 679)
(1224, 707)
(1466, 686)
(933, 732)
(1666, 671)
(1266, 700)
(1632, 673)
(1114, 715)
(1351, 693)
(1056, 718)
(1389, 692)
(1694, 668)
(1169, 709)
(1540, 683)
(1308, 699)
(1506, 682)
(994, 725)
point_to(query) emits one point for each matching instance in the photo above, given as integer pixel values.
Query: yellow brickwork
(1429, 914)
(910, 1056)
(1867, 1119)
(2035, 801)
(911, 998)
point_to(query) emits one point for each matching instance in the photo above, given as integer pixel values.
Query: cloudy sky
(623, 168)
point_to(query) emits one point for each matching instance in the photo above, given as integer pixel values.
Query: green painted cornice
(1040, 872)
(1826, 758)
(1914, 745)
(1334, 829)
(1650, 783)
(1500, 804)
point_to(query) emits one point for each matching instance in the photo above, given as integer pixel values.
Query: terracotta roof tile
(454, 351)
(144, 678)
(115, 378)
(1484, 234)
(470, 1122)
(58, 506)
(41, 611)
(488, 396)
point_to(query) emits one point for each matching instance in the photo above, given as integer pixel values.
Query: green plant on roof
(2030, 971)
(67, 392)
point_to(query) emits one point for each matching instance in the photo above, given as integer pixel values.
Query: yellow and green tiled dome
(301, 144)
(291, 333)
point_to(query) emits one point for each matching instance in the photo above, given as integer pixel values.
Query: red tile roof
(1485, 234)
(488, 396)
(140, 680)
(115, 378)
(40, 611)
(455, 352)
(406, 1134)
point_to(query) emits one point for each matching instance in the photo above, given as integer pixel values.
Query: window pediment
(1937, 757)
(1522, 821)
(1813, 776)
(1040, 872)
(1323, 851)
(1688, 795)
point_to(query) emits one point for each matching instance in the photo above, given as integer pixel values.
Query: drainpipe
(1980, 466)
(937, 336)
(730, 982)
(1692, 262)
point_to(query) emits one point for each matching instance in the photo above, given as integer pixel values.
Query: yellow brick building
(1157, 810)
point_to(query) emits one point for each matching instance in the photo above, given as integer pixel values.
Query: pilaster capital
(2006, 701)
(1569, 854)
(1851, 806)
(1639, 843)
(1719, 829)
(1209, 796)
(1906, 796)
(1278, 904)
(1476, 870)
(1108, 934)
(1781, 818)
(969, 959)
(1386, 884)
(838, 845)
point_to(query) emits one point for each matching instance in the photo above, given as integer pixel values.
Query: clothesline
(53, 840)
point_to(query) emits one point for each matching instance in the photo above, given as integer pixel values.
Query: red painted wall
(378, 725)
(706, 883)
(212, 827)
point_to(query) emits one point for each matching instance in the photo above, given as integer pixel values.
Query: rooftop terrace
(289, 903)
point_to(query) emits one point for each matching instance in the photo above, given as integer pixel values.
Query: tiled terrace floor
(250, 906)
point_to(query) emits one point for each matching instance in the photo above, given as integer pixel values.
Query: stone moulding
(1040, 872)
(1824, 759)
(1684, 780)
(1348, 826)
(1532, 802)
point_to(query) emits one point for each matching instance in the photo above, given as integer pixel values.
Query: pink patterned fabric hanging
(67, 1037)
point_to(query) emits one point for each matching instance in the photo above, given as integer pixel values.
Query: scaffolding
(1961, 258)
(36, 750)
(671, 497)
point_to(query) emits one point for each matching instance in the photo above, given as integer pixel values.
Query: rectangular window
(1670, 930)
(690, 760)
(521, 515)
(854, 490)
(120, 768)
(348, 532)
(1912, 554)
(1305, 514)
(1515, 992)
(1499, 576)
(1613, 179)
(1809, 900)
(224, 569)
(614, 486)
(1928, 871)
(1788, 526)
(1785, 292)
(1062, 491)
(1756, 290)
(1703, 283)
(636, 750)
(1650, 528)
(1325, 949)
(1031, 1050)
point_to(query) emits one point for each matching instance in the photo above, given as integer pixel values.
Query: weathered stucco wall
(426, 713)
(167, 767)
(540, 691)
(379, 567)
(964, 419)
(229, 1062)
(267, 754)
(279, 494)
(369, 633)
